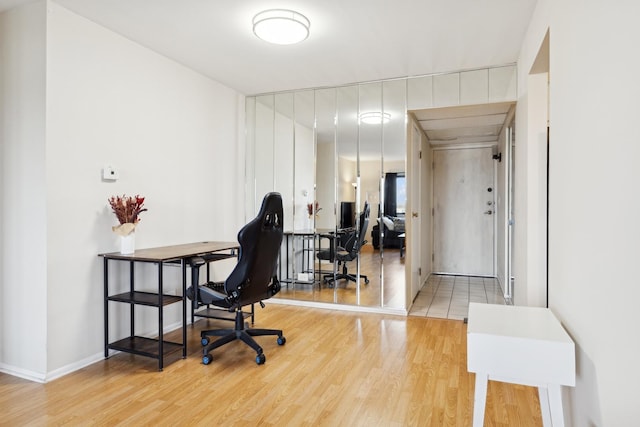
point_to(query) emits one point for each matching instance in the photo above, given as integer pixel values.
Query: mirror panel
(304, 163)
(283, 181)
(326, 222)
(302, 240)
(394, 187)
(314, 146)
(325, 102)
(264, 149)
(249, 157)
(283, 155)
(347, 178)
(370, 155)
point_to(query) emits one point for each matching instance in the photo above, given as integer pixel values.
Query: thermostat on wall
(109, 173)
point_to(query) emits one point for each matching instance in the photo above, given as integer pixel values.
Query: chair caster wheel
(281, 340)
(206, 359)
(366, 281)
(260, 359)
(204, 341)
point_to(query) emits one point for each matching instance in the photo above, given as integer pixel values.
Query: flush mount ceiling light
(281, 26)
(375, 117)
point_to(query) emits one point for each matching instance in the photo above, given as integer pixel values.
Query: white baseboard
(23, 373)
(72, 367)
(340, 307)
(75, 366)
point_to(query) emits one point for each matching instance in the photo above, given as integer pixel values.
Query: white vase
(128, 244)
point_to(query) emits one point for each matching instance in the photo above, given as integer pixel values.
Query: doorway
(464, 209)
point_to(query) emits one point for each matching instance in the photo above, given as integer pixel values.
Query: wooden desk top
(174, 252)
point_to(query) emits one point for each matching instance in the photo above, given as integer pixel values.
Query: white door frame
(415, 215)
(493, 207)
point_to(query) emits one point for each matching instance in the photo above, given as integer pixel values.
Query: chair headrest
(260, 242)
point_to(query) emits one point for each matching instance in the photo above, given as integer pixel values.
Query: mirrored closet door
(330, 152)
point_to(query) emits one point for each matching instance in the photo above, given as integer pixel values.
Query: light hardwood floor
(345, 292)
(336, 369)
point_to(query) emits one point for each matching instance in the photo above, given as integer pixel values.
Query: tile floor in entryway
(448, 297)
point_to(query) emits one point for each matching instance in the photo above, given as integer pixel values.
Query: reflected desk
(156, 348)
(300, 262)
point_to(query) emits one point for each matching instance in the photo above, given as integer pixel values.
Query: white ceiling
(351, 40)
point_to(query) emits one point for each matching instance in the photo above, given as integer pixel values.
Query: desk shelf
(144, 298)
(221, 314)
(300, 250)
(144, 346)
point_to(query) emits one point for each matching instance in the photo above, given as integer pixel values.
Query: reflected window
(395, 194)
(401, 195)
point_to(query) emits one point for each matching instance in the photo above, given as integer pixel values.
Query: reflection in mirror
(249, 155)
(317, 148)
(283, 154)
(326, 223)
(304, 165)
(326, 158)
(300, 236)
(346, 292)
(394, 201)
(283, 178)
(372, 122)
(264, 149)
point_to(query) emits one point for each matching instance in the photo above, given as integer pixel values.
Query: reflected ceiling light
(375, 117)
(281, 26)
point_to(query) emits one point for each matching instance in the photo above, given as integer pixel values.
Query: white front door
(464, 208)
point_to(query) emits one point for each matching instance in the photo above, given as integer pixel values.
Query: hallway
(448, 297)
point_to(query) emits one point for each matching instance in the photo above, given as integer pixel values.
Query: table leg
(543, 394)
(555, 405)
(183, 265)
(160, 320)
(106, 307)
(480, 399)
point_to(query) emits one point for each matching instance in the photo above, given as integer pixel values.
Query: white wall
(325, 184)
(173, 136)
(23, 218)
(370, 190)
(303, 181)
(282, 160)
(594, 203)
(347, 174)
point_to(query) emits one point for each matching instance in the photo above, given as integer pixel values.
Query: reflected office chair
(252, 280)
(348, 248)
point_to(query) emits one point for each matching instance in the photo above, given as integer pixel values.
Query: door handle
(489, 212)
(414, 214)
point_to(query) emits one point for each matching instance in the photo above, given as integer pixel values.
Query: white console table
(521, 345)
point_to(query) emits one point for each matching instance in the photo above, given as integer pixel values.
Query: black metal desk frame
(311, 243)
(156, 348)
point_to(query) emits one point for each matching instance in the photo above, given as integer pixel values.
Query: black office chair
(252, 280)
(348, 248)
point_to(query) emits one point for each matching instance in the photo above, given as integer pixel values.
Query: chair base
(241, 332)
(329, 279)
